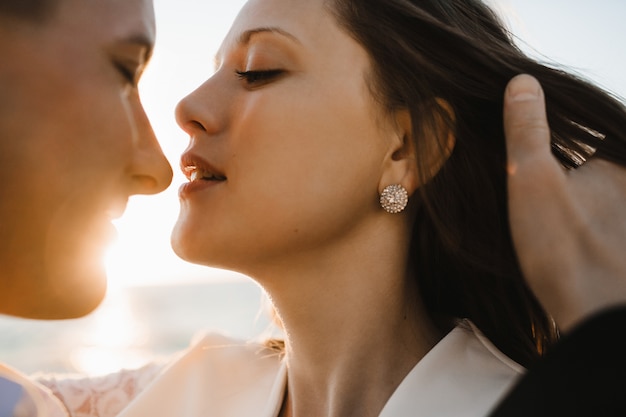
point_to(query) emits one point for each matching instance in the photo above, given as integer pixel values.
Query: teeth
(195, 175)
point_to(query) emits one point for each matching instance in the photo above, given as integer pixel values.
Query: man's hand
(569, 227)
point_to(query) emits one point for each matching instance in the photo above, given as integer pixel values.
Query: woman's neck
(353, 332)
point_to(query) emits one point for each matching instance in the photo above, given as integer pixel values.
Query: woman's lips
(197, 185)
(191, 164)
(201, 174)
(196, 173)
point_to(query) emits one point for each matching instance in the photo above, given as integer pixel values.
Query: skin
(75, 144)
(301, 155)
(583, 221)
(241, 130)
(305, 154)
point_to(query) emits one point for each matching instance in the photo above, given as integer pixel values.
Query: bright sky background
(587, 36)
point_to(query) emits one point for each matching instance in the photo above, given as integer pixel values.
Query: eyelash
(129, 75)
(258, 77)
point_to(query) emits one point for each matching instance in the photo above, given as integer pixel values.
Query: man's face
(75, 143)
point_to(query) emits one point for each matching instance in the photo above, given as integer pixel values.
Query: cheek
(322, 144)
(307, 161)
(88, 150)
(100, 132)
(300, 171)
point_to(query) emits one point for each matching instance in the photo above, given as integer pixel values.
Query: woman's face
(286, 145)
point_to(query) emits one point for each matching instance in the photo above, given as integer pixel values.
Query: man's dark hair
(35, 10)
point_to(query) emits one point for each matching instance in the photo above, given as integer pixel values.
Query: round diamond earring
(394, 198)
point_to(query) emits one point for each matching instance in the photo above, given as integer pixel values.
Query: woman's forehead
(305, 22)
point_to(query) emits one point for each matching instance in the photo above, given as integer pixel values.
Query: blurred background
(156, 302)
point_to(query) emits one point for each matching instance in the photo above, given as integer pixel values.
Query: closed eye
(130, 75)
(257, 77)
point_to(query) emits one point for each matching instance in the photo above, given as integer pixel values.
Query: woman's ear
(438, 141)
(413, 161)
(401, 160)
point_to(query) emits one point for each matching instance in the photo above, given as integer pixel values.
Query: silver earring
(394, 198)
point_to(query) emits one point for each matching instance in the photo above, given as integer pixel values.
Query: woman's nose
(203, 110)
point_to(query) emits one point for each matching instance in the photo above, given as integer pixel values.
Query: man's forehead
(114, 19)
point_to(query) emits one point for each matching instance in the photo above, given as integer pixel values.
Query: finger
(535, 177)
(525, 125)
(537, 193)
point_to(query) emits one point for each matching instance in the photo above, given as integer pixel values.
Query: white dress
(464, 375)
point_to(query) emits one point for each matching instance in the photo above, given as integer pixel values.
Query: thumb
(525, 125)
(536, 181)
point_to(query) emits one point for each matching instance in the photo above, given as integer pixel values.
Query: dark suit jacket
(584, 375)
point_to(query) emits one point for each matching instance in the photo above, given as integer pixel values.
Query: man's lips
(116, 211)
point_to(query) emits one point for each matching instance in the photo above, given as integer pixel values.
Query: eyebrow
(139, 39)
(245, 37)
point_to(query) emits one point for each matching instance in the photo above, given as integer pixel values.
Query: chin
(188, 253)
(82, 289)
(55, 295)
(83, 299)
(187, 242)
(70, 306)
(197, 249)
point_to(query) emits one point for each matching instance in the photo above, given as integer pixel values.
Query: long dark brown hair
(423, 53)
